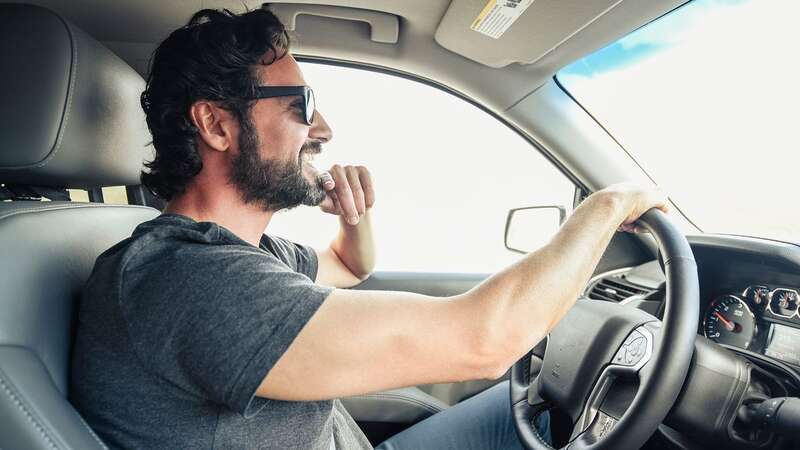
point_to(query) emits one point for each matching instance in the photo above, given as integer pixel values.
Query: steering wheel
(603, 357)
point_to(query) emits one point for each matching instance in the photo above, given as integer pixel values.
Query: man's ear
(213, 125)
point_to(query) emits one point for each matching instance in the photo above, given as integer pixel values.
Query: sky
(704, 99)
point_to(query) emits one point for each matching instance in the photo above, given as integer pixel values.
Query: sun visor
(497, 33)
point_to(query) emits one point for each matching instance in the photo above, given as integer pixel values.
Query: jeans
(483, 422)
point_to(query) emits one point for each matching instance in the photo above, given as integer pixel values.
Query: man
(199, 331)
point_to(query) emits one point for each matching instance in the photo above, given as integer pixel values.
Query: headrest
(69, 108)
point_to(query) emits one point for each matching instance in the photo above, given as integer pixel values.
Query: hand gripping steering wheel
(603, 357)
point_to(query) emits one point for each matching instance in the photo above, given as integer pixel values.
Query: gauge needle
(728, 324)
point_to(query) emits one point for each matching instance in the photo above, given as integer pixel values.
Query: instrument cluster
(764, 319)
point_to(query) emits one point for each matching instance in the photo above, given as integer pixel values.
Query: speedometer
(730, 321)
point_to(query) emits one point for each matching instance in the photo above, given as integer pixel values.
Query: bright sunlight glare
(705, 100)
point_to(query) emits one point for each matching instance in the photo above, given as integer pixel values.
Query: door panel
(427, 283)
(437, 285)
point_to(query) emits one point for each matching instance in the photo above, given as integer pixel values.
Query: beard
(272, 184)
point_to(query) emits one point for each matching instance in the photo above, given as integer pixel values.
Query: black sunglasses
(309, 104)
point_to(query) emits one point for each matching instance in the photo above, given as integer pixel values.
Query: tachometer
(730, 321)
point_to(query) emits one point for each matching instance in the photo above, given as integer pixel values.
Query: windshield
(705, 100)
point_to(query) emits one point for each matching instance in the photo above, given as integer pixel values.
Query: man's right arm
(367, 341)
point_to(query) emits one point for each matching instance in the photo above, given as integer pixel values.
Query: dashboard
(749, 293)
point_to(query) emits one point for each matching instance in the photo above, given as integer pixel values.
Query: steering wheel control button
(635, 334)
(619, 358)
(633, 349)
(636, 350)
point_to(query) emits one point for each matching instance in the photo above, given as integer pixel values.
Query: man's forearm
(355, 247)
(520, 305)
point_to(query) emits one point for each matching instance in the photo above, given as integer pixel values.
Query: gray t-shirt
(177, 328)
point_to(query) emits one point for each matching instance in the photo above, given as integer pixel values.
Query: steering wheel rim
(661, 373)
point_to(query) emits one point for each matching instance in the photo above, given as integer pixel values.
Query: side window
(111, 194)
(115, 194)
(445, 173)
(78, 195)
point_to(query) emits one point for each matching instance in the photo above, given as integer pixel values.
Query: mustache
(311, 147)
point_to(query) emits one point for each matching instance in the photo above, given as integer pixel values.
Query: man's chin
(315, 196)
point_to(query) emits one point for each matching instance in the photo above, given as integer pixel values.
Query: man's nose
(320, 130)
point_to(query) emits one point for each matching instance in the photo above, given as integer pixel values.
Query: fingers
(350, 192)
(355, 186)
(329, 204)
(336, 206)
(638, 199)
(366, 184)
(344, 194)
(631, 228)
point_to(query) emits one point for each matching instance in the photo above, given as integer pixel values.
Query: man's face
(272, 167)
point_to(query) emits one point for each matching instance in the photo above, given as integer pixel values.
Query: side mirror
(529, 228)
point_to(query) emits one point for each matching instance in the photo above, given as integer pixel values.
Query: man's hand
(635, 200)
(351, 256)
(350, 192)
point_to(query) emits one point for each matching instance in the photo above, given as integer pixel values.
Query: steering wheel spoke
(607, 400)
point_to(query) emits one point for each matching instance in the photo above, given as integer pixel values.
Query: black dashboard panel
(728, 266)
(744, 280)
(732, 266)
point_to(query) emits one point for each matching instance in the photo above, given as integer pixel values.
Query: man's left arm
(350, 258)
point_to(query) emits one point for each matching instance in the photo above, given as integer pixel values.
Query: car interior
(681, 340)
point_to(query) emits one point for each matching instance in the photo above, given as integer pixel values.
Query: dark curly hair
(212, 58)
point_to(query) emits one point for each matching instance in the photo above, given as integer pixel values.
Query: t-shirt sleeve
(299, 257)
(215, 320)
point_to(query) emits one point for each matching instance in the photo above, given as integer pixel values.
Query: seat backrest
(48, 251)
(69, 119)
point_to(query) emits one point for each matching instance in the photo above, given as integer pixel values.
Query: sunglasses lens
(311, 105)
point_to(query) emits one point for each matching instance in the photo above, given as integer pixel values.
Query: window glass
(78, 195)
(705, 100)
(445, 173)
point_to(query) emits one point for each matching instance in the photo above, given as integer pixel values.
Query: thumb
(326, 179)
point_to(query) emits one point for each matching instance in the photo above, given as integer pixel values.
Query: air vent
(615, 289)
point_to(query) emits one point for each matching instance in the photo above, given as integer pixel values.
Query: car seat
(69, 118)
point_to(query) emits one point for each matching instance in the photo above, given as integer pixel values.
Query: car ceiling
(434, 39)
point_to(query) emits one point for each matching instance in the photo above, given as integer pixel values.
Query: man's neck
(223, 207)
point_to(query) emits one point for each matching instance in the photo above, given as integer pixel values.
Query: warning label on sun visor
(498, 16)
